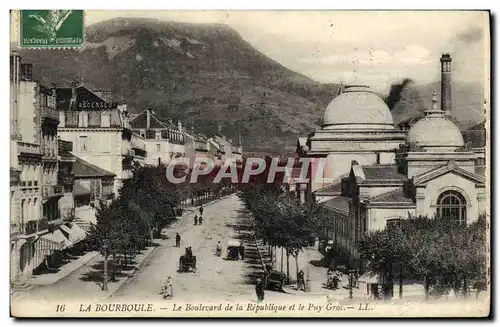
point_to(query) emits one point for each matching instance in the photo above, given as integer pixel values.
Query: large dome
(435, 133)
(357, 107)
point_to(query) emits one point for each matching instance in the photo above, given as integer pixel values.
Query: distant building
(163, 140)
(100, 131)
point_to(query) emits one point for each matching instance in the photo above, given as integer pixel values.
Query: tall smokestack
(446, 84)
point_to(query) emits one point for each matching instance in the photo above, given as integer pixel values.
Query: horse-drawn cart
(187, 262)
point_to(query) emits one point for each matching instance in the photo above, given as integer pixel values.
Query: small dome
(435, 132)
(357, 107)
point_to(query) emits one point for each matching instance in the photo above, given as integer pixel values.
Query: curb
(131, 275)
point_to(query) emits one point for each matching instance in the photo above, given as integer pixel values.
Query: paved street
(215, 277)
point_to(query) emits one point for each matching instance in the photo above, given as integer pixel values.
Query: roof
(79, 189)
(383, 172)
(82, 168)
(394, 196)
(357, 106)
(83, 97)
(335, 187)
(141, 121)
(340, 203)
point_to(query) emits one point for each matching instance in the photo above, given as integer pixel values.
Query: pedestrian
(168, 291)
(201, 209)
(177, 240)
(200, 220)
(196, 219)
(259, 290)
(242, 252)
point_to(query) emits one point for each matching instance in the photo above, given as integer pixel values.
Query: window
(105, 120)
(83, 119)
(83, 141)
(158, 147)
(451, 205)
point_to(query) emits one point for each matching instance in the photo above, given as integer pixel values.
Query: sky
(372, 48)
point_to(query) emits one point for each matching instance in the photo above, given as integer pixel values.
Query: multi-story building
(100, 131)
(163, 140)
(32, 142)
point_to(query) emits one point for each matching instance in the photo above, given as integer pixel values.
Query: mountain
(203, 74)
(209, 77)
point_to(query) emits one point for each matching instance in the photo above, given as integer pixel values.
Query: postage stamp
(284, 163)
(51, 28)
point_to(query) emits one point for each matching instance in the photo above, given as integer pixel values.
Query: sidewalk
(65, 270)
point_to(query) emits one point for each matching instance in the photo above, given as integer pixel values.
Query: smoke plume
(471, 35)
(396, 92)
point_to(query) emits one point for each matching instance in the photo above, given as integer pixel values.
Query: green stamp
(51, 28)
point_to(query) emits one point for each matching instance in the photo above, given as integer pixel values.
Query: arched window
(452, 205)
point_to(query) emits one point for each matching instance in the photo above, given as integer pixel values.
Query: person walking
(168, 289)
(200, 220)
(177, 240)
(259, 290)
(196, 219)
(201, 210)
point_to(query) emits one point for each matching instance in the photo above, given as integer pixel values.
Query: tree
(435, 250)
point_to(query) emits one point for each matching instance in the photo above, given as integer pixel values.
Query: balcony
(49, 113)
(51, 191)
(15, 176)
(28, 228)
(28, 148)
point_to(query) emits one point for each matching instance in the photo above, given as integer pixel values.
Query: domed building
(357, 125)
(376, 175)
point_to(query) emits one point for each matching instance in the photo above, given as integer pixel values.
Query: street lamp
(105, 277)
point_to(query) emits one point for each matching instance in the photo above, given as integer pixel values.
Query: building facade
(163, 140)
(382, 175)
(100, 132)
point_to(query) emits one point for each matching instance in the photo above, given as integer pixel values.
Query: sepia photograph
(250, 164)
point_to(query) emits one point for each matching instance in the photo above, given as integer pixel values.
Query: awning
(75, 234)
(59, 235)
(77, 229)
(55, 243)
(369, 277)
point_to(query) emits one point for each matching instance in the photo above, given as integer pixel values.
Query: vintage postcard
(250, 164)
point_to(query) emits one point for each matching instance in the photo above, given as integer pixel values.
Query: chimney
(148, 118)
(179, 125)
(446, 84)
